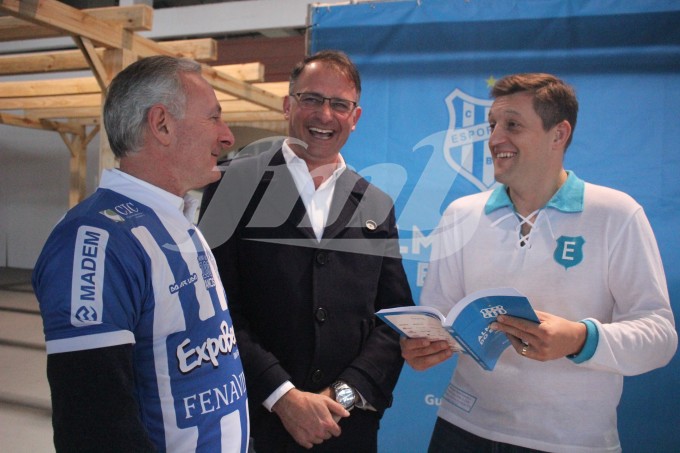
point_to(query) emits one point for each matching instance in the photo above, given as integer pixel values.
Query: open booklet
(466, 326)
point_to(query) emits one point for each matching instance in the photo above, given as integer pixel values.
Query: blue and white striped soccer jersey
(126, 267)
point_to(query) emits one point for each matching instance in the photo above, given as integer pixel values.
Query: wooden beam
(14, 120)
(65, 19)
(277, 88)
(238, 105)
(53, 14)
(77, 145)
(278, 127)
(77, 173)
(94, 62)
(79, 101)
(77, 166)
(249, 72)
(91, 121)
(134, 17)
(107, 43)
(248, 117)
(90, 114)
(54, 87)
(54, 102)
(45, 125)
(235, 87)
(71, 21)
(115, 61)
(202, 50)
(41, 62)
(137, 17)
(88, 85)
(246, 94)
(13, 29)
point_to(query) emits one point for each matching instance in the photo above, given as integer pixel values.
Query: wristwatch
(344, 394)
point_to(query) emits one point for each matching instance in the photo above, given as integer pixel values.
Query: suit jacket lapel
(346, 199)
(286, 202)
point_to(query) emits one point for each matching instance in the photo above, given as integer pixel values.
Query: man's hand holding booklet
(466, 326)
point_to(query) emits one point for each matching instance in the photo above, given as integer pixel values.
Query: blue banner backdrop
(427, 66)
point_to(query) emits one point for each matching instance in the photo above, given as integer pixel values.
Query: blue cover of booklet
(466, 326)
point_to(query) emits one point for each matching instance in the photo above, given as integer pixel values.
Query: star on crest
(491, 81)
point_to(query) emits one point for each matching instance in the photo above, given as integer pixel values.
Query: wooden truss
(107, 42)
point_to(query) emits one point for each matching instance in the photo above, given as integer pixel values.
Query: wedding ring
(525, 348)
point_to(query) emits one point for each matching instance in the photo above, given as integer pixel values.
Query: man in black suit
(308, 252)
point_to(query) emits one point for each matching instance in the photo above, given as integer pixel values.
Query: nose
(226, 137)
(325, 108)
(496, 137)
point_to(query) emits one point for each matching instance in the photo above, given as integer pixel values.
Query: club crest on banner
(466, 145)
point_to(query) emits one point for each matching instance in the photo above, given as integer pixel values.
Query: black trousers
(448, 438)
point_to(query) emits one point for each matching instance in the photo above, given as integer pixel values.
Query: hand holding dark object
(309, 417)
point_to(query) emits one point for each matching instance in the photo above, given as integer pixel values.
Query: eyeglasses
(315, 101)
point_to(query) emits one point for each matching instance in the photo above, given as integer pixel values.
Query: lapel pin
(371, 225)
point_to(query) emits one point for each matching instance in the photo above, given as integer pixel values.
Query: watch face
(345, 396)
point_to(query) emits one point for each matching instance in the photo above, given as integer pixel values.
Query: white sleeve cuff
(277, 394)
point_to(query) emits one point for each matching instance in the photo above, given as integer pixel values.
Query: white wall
(34, 190)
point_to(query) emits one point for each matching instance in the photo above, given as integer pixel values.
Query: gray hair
(143, 84)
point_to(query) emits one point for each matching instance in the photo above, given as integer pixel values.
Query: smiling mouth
(323, 134)
(504, 155)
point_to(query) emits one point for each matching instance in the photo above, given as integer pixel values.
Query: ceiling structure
(108, 39)
(155, 4)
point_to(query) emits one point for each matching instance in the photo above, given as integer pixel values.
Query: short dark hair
(554, 100)
(336, 58)
(146, 82)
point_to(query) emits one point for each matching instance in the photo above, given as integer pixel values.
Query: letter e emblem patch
(569, 251)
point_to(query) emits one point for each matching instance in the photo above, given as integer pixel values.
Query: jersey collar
(148, 194)
(569, 198)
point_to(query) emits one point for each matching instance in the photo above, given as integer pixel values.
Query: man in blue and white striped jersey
(141, 348)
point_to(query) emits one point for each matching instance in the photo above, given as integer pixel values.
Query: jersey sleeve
(642, 334)
(89, 281)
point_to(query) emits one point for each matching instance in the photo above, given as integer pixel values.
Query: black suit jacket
(304, 310)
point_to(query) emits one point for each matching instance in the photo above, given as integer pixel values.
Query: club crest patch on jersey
(569, 251)
(466, 146)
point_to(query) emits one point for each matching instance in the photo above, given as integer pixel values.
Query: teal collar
(569, 198)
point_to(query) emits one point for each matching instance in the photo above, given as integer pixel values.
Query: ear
(357, 114)
(562, 132)
(286, 107)
(159, 122)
